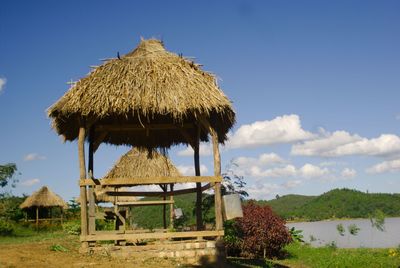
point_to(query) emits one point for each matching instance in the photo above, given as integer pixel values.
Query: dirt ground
(39, 254)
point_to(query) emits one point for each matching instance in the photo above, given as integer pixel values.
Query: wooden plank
(141, 236)
(144, 203)
(151, 180)
(159, 194)
(137, 127)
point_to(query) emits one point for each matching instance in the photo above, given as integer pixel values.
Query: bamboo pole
(82, 171)
(196, 149)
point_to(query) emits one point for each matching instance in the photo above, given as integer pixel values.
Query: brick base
(201, 252)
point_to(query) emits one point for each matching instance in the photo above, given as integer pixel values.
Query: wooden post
(196, 149)
(62, 215)
(217, 172)
(92, 209)
(171, 207)
(82, 171)
(37, 218)
(165, 206)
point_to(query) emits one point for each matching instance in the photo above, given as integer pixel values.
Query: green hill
(285, 205)
(338, 203)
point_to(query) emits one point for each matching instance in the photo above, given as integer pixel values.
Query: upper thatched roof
(44, 197)
(148, 85)
(141, 163)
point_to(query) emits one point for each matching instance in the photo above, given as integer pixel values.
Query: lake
(321, 233)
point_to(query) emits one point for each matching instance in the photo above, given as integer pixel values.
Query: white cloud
(29, 183)
(263, 159)
(204, 150)
(341, 143)
(282, 129)
(189, 170)
(397, 117)
(291, 184)
(312, 171)
(3, 82)
(385, 166)
(261, 190)
(348, 173)
(33, 157)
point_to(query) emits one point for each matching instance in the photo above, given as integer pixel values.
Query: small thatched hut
(138, 163)
(43, 198)
(152, 99)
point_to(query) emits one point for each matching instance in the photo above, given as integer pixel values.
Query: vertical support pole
(82, 171)
(92, 209)
(37, 218)
(217, 172)
(171, 207)
(196, 149)
(62, 215)
(165, 187)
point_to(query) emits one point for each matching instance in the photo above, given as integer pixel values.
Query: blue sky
(315, 85)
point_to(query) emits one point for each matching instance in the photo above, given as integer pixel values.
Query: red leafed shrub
(261, 231)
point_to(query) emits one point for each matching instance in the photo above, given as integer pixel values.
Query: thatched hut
(43, 198)
(149, 98)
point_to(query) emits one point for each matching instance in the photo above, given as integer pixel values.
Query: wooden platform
(103, 236)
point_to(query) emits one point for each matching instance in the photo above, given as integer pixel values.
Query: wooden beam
(137, 127)
(82, 169)
(141, 236)
(172, 192)
(151, 180)
(144, 203)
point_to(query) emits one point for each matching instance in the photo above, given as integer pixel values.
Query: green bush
(6, 228)
(72, 227)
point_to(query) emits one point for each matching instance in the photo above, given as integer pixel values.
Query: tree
(232, 182)
(7, 172)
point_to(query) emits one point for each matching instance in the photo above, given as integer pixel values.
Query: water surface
(324, 232)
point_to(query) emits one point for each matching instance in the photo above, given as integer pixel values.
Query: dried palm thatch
(146, 86)
(141, 163)
(44, 197)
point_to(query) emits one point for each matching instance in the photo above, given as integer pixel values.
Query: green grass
(27, 235)
(301, 255)
(298, 255)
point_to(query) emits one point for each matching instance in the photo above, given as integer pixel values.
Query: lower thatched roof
(142, 163)
(44, 197)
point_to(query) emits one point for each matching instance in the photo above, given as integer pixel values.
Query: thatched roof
(146, 86)
(44, 197)
(141, 163)
(101, 196)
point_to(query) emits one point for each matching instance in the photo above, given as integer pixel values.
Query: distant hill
(337, 203)
(285, 205)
